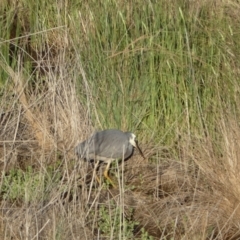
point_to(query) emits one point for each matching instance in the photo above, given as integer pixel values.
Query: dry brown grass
(192, 196)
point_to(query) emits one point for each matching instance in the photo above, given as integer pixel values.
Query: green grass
(159, 71)
(152, 66)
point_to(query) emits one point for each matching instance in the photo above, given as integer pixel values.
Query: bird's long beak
(136, 143)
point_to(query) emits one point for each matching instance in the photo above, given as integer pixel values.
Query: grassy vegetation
(166, 70)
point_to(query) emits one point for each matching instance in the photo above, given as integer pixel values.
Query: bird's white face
(132, 140)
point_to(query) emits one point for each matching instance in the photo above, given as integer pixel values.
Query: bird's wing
(112, 146)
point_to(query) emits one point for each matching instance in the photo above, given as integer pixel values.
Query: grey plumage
(107, 146)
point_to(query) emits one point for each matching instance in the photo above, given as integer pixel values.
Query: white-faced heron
(107, 146)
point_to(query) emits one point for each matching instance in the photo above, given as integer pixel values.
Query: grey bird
(107, 146)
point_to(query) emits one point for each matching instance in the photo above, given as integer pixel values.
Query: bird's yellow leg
(106, 175)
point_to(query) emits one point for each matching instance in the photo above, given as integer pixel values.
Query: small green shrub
(113, 223)
(27, 186)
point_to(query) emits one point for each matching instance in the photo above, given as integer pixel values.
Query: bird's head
(133, 141)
